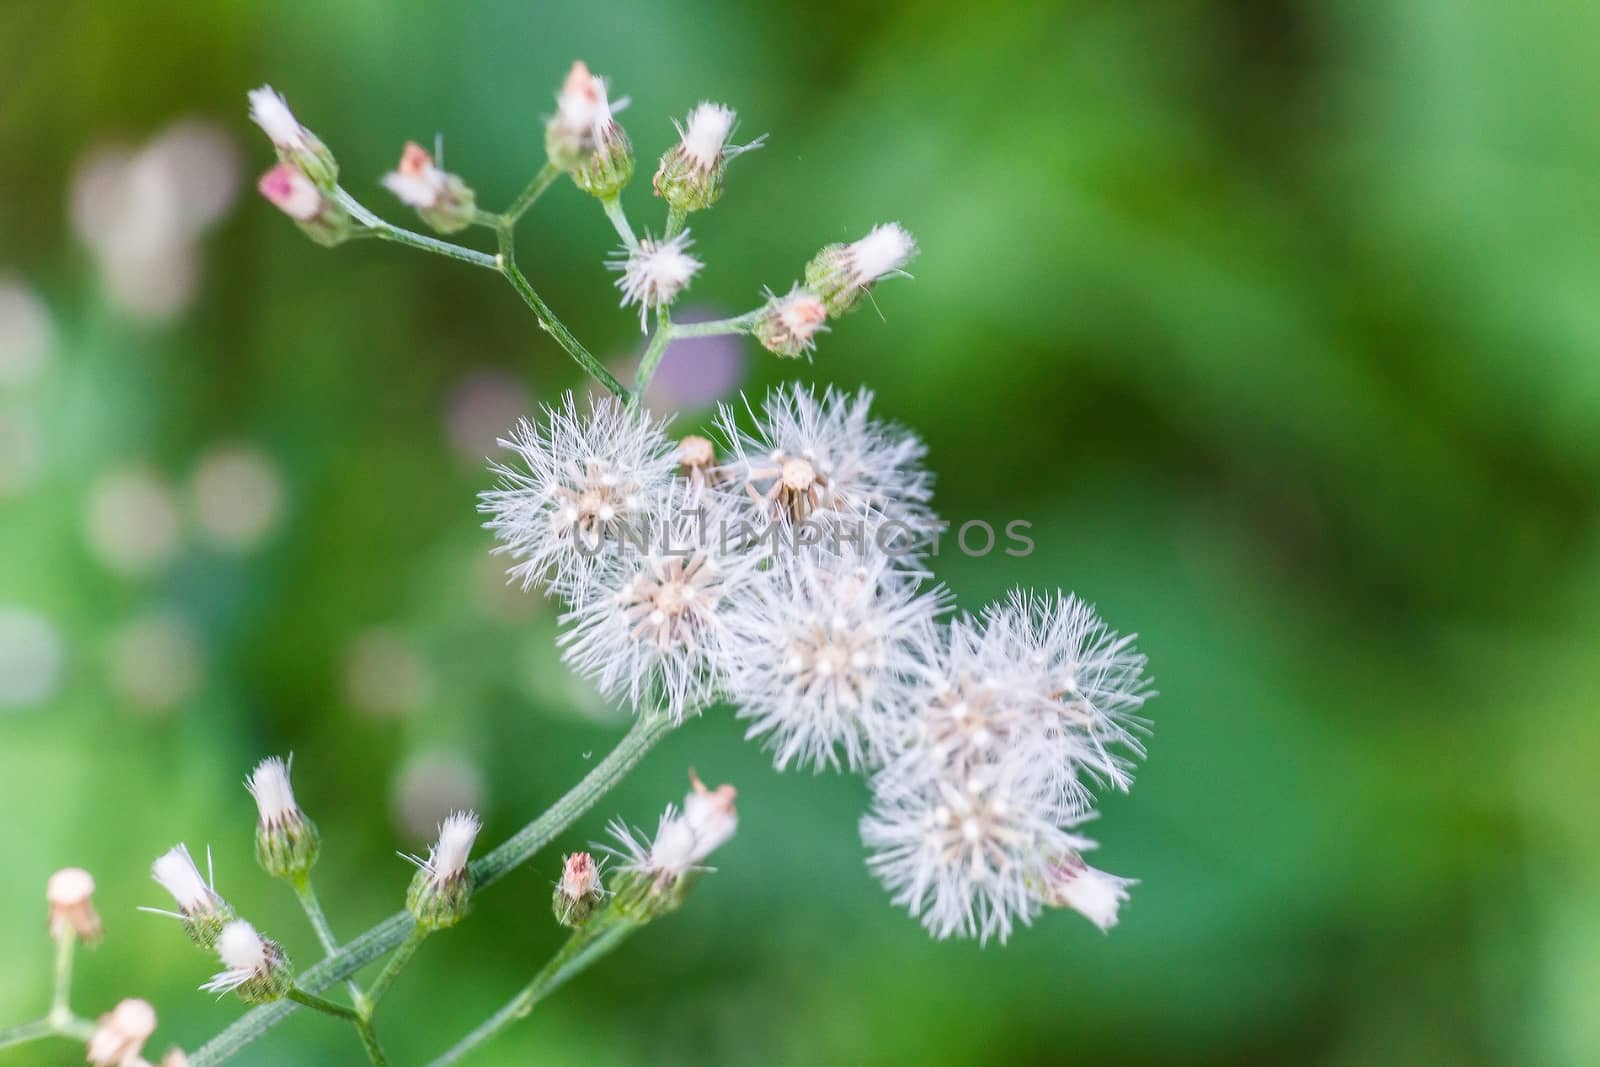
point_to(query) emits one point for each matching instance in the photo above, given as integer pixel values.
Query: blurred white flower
(236, 492)
(70, 895)
(386, 674)
(26, 333)
(119, 1036)
(32, 657)
(429, 787)
(154, 662)
(132, 523)
(1092, 893)
(141, 213)
(683, 839)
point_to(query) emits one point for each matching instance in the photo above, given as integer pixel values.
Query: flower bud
(655, 273)
(442, 199)
(201, 910)
(253, 966)
(690, 175)
(788, 325)
(119, 1036)
(319, 216)
(286, 841)
(296, 145)
(656, 876)
(1092, 893)
(579, 893)
(70, 893)
(583, 138)
(842, 274)
(441, 893)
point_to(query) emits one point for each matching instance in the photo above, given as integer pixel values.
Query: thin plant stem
(60, 998)
(648, 729)
(369, 1040)
(619, 221)
(22, 1033)
(737, 324)
(675, 220)
(652, 354)
(400, 235)
(319, 923)
(555, 328)
(581, 949)
(541, 181)
(391, 969)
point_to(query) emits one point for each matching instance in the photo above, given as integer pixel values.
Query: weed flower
(442, 889)
(1094, 894)
(253, 966)
(788, 325)
(690, 175)
(583, 137)
(70, 894)
(579, 893)
(201, 910)
(296, 145)
(683, 839)
(842, 274)
(654, 273)
(442, 199)
(287, 842)
(584, 481)
(121, 1033)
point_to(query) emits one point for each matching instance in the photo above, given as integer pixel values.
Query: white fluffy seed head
(270, 111)
(706, 132)
(242, 949)
(447, 859)
(121, 1033)
(655, 273)
(175, 871)
(883, 251)
(269, 784)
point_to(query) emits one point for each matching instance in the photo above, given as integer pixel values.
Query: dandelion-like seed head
(70, 895)
(825, 656)
(584, 483)
(830, 459)
(120, 1035)
(655, 273)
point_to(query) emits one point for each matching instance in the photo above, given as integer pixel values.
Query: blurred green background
(1278, 320)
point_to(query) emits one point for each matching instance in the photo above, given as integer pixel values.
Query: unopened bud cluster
(303, 184)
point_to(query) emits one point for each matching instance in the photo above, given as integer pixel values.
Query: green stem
(555, 328)
(60, 1006)
(582, 948)
(652, 354)
(737, 324)
(369, 1040)
(541, 181)
(619, 221)
(675, 220)
(648, 729)
(319, 923)
(22, 1033)
(400, 235)
(391, 970)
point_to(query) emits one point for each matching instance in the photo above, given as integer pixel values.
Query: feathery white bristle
(270, 111)
(706, 132)
(177, 874)
(269, 784)
(884, 250)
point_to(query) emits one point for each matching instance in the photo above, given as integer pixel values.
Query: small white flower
(654, 273)
(447, 858)
(584, 484)
(965, 853)
(195, 896)
(70, 894)
(885, 250)
(652, 626)
(417, 182)
(269, 784)
(582, 110)
(1094, 894)
(270, 111)
(824, 655)
(121, 1033)
(683, 840)
(246, 956)
(830, 459)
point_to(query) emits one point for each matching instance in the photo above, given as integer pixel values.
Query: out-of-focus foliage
(1277, 320)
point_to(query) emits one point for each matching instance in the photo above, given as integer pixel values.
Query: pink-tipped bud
(70, 893)
(120, 1034)
(789, 325)
(584, 139)
(291, 192)
(442, 199)
(1092, 893)
(296, 145)
(690, 175)
(579, 893)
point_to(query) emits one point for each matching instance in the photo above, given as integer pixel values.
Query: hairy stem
(619, 221)
(400, 235)
(541, 181)
(369, 1040)
(582, 948)
(391, 970)
(319, 923)
(23, 1033)
(675, 220)
(737, 324)
(60, 1006)
(559, 331)
(652, 354)
(648, 729)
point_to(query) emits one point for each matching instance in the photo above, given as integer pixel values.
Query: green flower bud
(255, 967)
(841, 274)
(579, 894)
(295, 145)
(441, 893)
(442, 199)
(287, 842)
